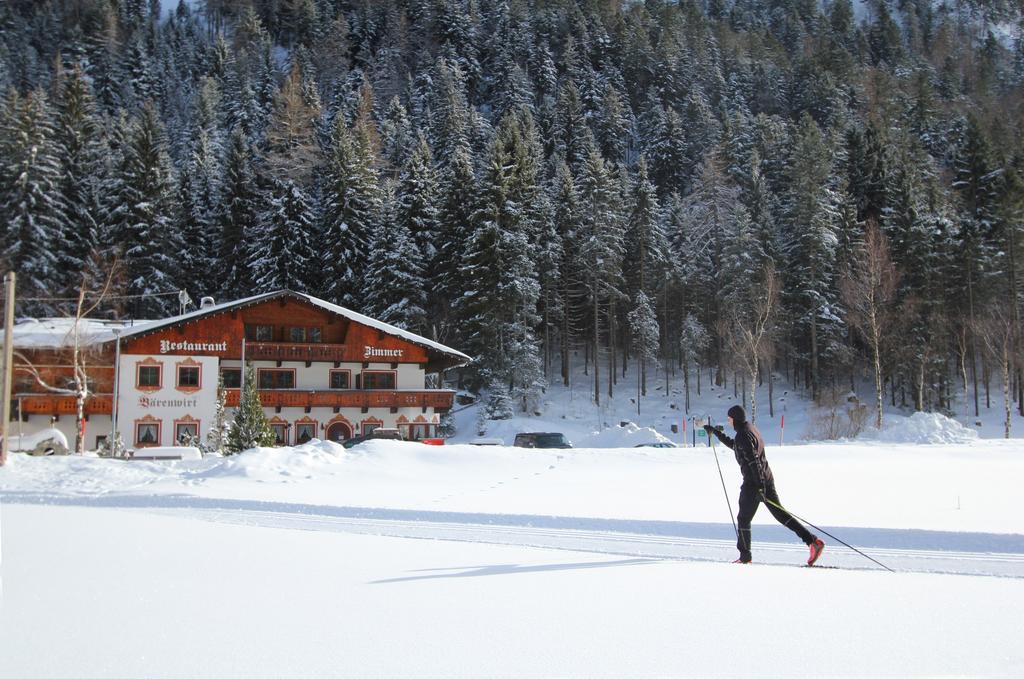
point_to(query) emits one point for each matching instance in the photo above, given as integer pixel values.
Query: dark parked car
(542, 440)
(658, 444)
(393, 434)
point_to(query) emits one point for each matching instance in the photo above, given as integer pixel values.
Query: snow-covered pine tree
(975, 183)
(237, 218)
(646, 334)
(568, 223)
(450, 114)
(139, 219)
(285, 244)
(570, 135)
(693, 342)
(741, 265)
(615, 126)
(220, 429)
(250, 428)
(397, 137)
(601, 251)
(198, 199)
(351, 210)
(666, 152)
(501, 309)
(459, 196)
(30, 200)
(646, 244)
(810, 241)
(395, 286)
(417, 211)
(80, 148)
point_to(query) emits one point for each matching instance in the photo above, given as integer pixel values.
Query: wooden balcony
(59, 404)
(351, 398)
(287, 351)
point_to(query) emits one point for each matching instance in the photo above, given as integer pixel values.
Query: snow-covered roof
(53, 333)
(150, 326)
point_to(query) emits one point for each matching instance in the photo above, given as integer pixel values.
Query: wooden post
(5, 396)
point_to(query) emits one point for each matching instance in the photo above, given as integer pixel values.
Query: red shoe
(740, 560)
(816, 547)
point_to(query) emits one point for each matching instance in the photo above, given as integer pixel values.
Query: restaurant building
(322, 371)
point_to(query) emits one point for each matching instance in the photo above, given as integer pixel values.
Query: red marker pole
(782, 431)
(684, 430)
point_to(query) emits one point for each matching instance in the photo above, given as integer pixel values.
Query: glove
(709, 429)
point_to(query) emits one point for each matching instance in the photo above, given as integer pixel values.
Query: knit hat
(737, 414)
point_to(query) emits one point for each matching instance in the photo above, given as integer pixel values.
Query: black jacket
(749, 449)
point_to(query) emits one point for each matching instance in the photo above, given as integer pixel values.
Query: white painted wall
(166, 404)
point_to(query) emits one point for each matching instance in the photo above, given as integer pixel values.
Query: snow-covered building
(323, 371)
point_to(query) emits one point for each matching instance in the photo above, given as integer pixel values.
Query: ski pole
(799, 518)
(722, 477)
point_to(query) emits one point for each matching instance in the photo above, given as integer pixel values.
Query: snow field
(130, 594)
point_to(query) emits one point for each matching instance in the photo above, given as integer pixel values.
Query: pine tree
(643, 327)
(568, 226)
(236, 218)
(351, 209)
(30, 199)
(601, 251)
(396, 287)
(459, 190)
(285, 242)
(810, 244)
(570, 135)
(501, 309)
(80, 148)
(646, 244)
(396, 134)
(196, 220)
(250, 428)
(417, 212)
(139, 219)
(975, 183)
(220, 429)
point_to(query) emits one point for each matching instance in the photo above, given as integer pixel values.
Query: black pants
(750, 498)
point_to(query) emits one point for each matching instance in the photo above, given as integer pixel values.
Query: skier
(758, 485)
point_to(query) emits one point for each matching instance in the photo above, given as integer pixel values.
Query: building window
(147, 433)
(378, 379)
(149, 375)
(276, 379)
(232, 377)
(280, 434)
(259, 333)
(304, 335)
(341, 379)
(305, 431)
(186, 432)
(368, 427)
(188, 376)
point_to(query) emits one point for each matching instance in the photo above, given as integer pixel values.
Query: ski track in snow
(918, 551)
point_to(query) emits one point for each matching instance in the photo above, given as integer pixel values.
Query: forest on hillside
(830, 193)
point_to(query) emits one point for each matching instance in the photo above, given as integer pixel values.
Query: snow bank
(621, 436)
(284, 461)
(921, 428)
(28, 442)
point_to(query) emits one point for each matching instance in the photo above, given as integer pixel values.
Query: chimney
(206, 303)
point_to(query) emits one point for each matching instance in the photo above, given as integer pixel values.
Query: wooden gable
(220, 334)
